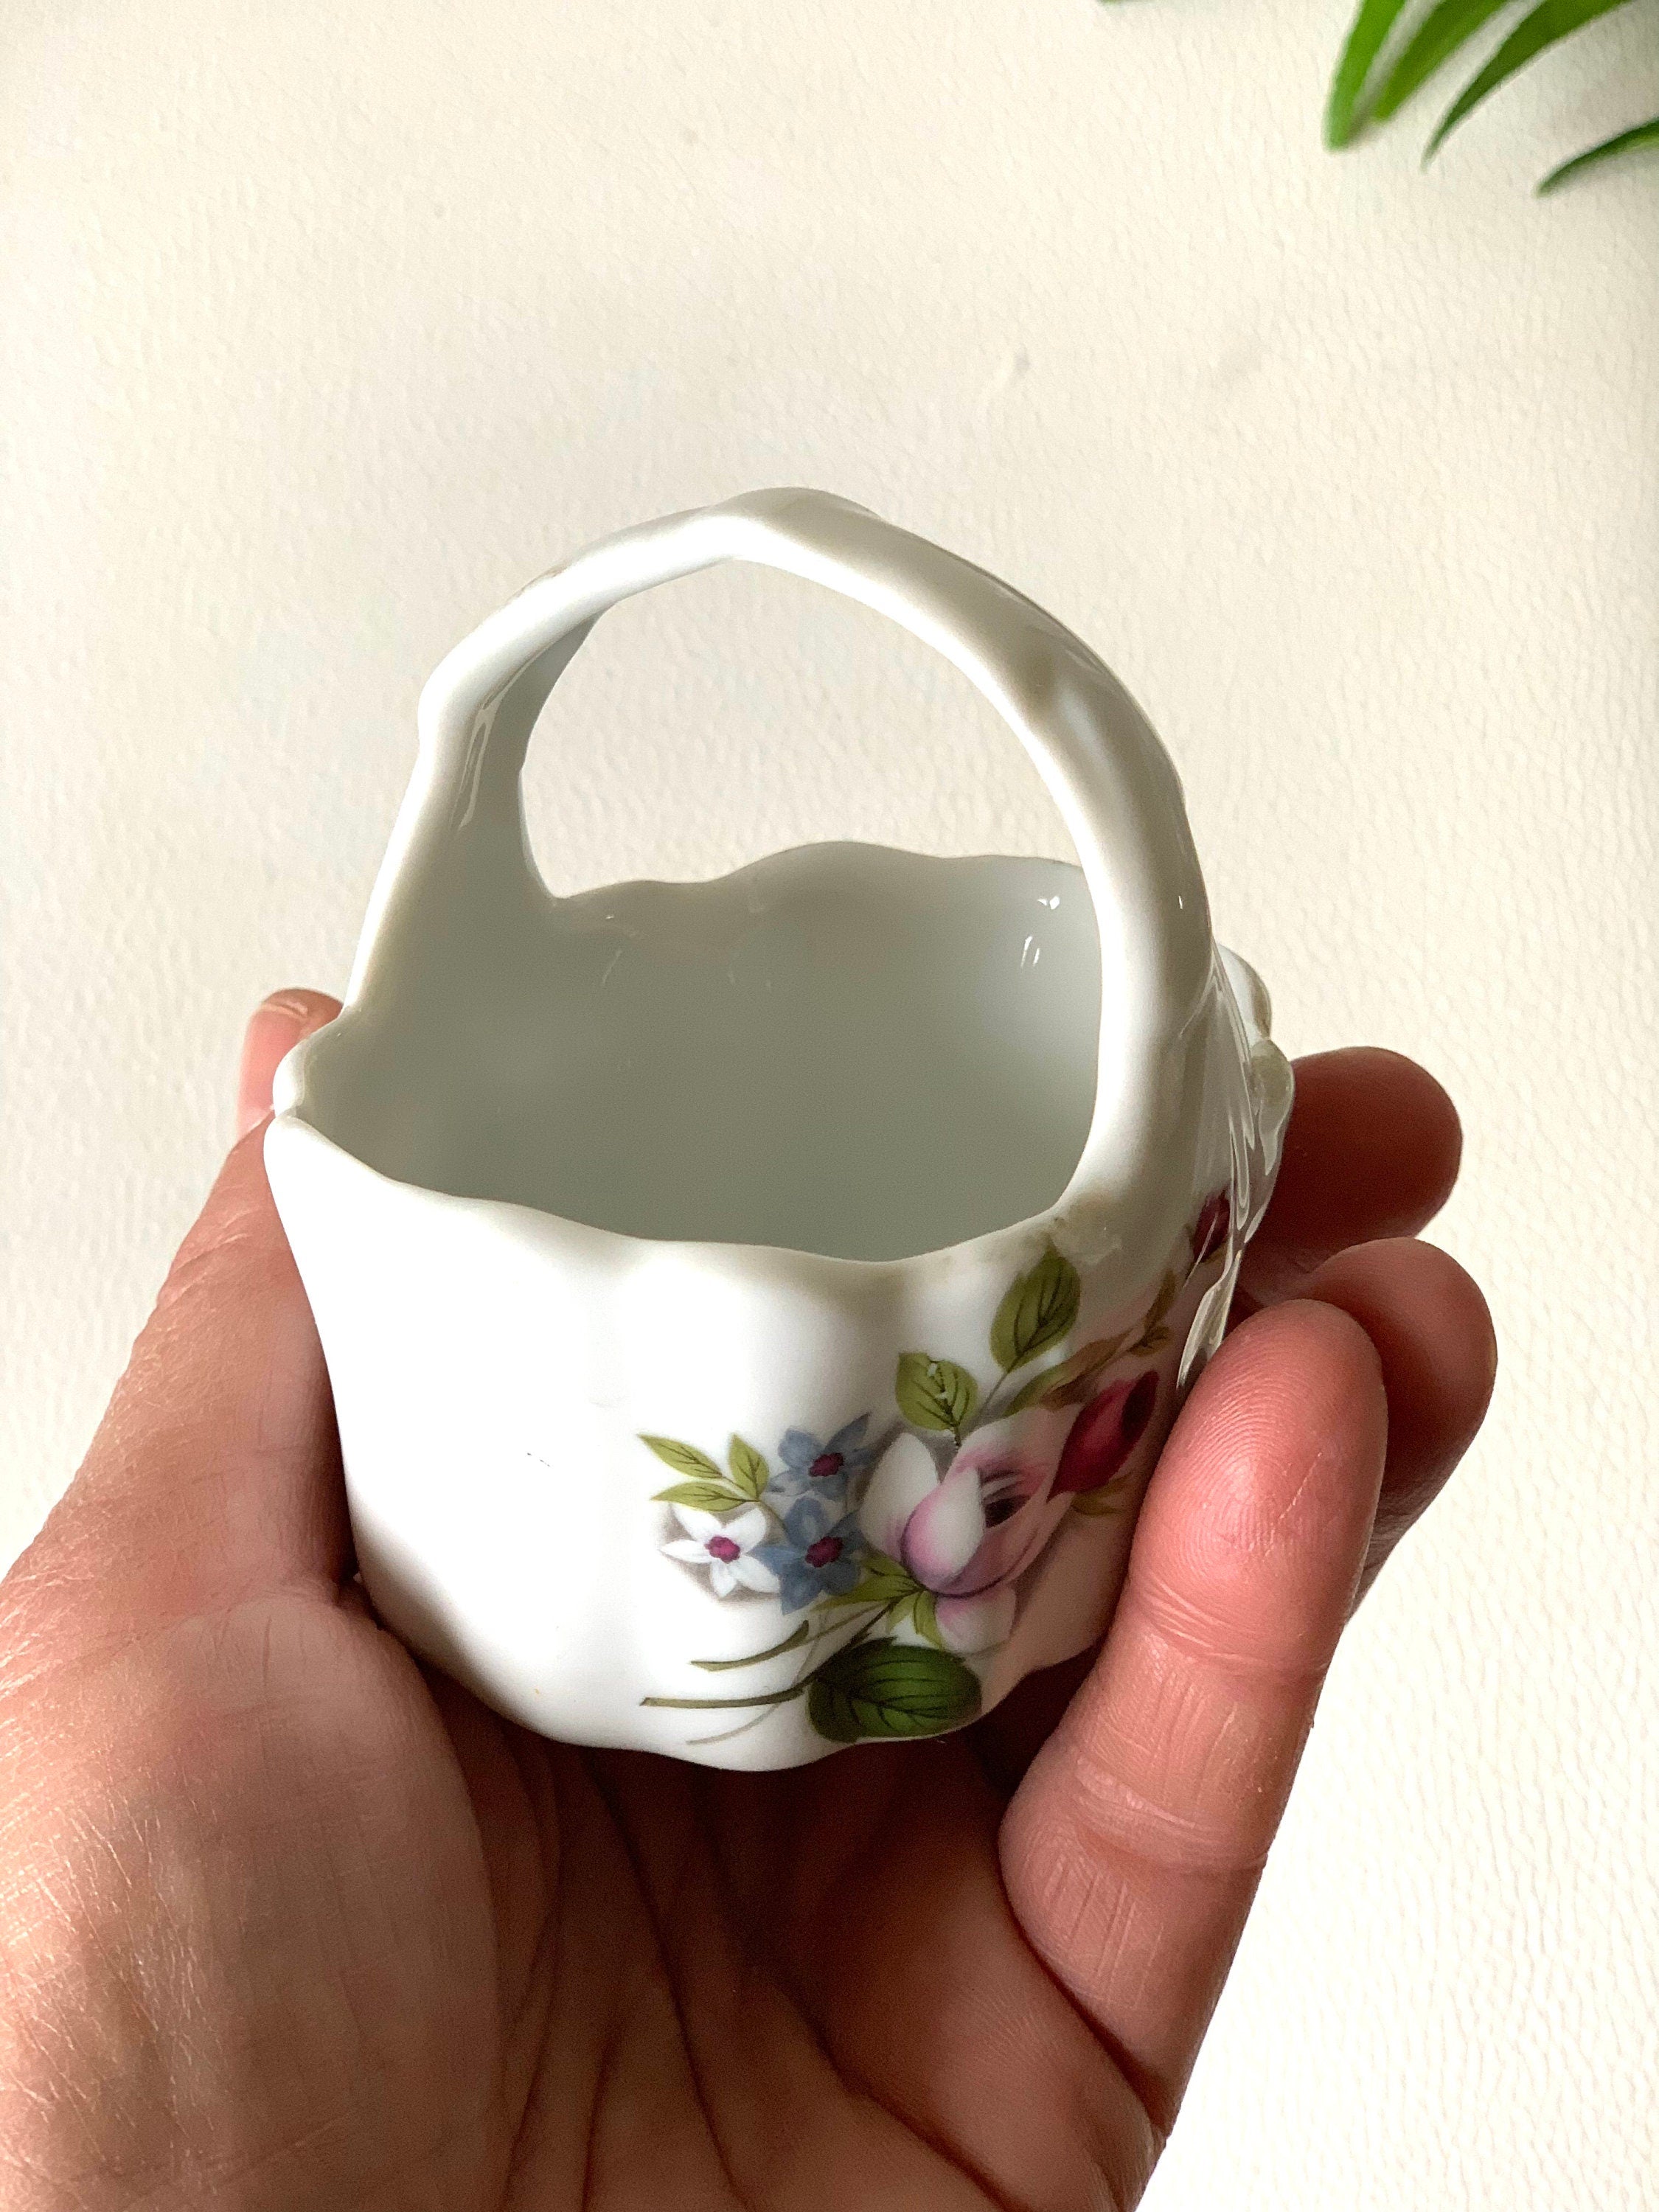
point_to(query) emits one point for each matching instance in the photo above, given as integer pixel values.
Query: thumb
(214, 1473)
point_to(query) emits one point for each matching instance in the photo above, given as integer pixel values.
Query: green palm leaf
(1436, 38)
(1641, 134)
(1550, 20)
(1373, 23)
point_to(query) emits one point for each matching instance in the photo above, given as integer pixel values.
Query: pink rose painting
(966, 1534)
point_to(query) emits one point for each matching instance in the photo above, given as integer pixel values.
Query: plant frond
(1435, 41)
(1370, 28)
(1622, 142)
(1551, 21)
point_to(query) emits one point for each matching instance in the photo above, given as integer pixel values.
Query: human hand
(290, 1924)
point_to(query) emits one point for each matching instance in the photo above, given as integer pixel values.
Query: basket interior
(842, 1049)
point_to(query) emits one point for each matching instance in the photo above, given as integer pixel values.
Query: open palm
(290, 1923)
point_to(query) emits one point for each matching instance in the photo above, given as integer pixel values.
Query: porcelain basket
(755, 1307)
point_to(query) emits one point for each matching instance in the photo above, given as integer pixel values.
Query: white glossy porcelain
(754, 1307)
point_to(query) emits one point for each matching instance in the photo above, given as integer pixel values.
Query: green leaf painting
(883, 1582)
(709, 1488)
(685, 1459)
(717, 1497)
(922, 1612)
(935, 1393)
(750, 1472)
(1038, 1311)
(892, 1690)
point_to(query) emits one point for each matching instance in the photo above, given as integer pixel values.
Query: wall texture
(324, 328)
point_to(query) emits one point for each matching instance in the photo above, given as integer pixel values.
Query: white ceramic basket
(754, 1307)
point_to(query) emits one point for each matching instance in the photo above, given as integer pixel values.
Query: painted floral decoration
(821, 1553)
(898, 1554)
(726, 1548)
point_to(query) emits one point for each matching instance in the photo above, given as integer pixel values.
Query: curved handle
(1106, 771)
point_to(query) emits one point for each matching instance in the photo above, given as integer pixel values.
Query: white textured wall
(323, 328)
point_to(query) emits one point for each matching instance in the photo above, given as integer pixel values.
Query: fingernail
(300, 1004)
(275, 1025)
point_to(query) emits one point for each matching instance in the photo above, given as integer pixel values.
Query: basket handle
(1108, 774)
